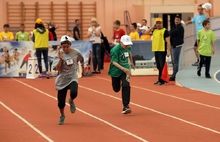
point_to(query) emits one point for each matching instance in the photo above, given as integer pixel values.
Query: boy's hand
(132, 66)
(127, 71)
(213, 51)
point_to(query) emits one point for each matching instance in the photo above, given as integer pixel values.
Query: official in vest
(160, 47)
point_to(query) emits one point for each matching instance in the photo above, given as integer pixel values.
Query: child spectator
(118, 32)
(22, 35)
(6, 35)
(205, 39)
(134, 34)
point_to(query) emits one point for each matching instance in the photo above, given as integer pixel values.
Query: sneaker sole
(61, 122)
(126, 112)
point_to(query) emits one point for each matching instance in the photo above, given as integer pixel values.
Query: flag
(165, 75)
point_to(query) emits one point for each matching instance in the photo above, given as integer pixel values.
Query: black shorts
(195, 45)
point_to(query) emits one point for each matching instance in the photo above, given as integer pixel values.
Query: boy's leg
(61, 97)
(73, 94)
(116, 84)
(207, 66)
(196, 53)
(125, 93)
(201, 62)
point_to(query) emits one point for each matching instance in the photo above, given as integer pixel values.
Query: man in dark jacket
(176, 39)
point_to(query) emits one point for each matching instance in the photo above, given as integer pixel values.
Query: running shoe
(126, 110)
(61, 120)
(72, 106)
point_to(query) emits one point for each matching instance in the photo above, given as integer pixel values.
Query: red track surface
(159, 113)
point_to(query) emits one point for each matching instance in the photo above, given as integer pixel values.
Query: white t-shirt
(95, 38)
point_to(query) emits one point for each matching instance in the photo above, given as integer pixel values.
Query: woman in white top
(94, 33)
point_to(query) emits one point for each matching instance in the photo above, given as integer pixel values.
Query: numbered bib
(126, 54)
(69, 61)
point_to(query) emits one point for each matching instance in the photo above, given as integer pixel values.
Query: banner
(144, 60)
(19, 53)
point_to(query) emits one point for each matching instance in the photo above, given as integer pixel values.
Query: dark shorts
(195, 45)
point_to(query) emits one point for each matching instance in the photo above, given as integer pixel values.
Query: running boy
(66, 63)
(205, 39)
(119, 70)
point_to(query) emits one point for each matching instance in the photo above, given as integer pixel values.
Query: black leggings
(61, 96)
(121, 81)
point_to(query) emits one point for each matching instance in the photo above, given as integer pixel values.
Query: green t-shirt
(22, 36)
(120, 55)
(205, 42)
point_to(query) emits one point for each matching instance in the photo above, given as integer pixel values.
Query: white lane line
(164, 94)
(164, 114)
(28, 123)
(93, 116)
(216, 77)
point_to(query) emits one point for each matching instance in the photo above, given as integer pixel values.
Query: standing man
(22, 35)
(160, 47)
(119, 70)
(118, 32)
(176, 39)
(76, 31)
(52, 29)
(198, 19)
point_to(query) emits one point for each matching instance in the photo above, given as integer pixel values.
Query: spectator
(6, 35)
(41, 44)
(94, 33)
(145, 35)
(52, 28)
(160, 47)
(143, 23)
(134, 34)
(176, 39)
(76, 30)
(138, 29)
(22, 35)
(118, 32)
(198, 19)
(206, 44)
(69, 34)
(46, 25)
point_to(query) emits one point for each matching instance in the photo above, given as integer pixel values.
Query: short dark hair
(69, 31)
(76, 20)
(177, 16)
(205, 22)
(22, 25)
(6, 26)
(144, 20)
(117, 22)
(66, 42)
(135, 25)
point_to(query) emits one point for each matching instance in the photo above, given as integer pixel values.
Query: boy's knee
(116, 89)
(61, 105)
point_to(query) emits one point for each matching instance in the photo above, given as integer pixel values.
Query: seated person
(145, 35)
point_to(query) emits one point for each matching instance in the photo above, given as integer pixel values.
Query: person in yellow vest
(41, 44)
(160, 47)
(6, 35)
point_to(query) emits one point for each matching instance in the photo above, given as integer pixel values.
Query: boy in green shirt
(205, 39)
(22, 35)
(119, 70)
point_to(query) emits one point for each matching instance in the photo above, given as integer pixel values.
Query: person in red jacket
(25, 60)
(46, 25)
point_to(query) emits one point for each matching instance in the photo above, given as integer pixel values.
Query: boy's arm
(131, 61)
(127, 71)
(213, 47)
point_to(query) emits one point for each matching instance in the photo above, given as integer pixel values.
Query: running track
(171, 113)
